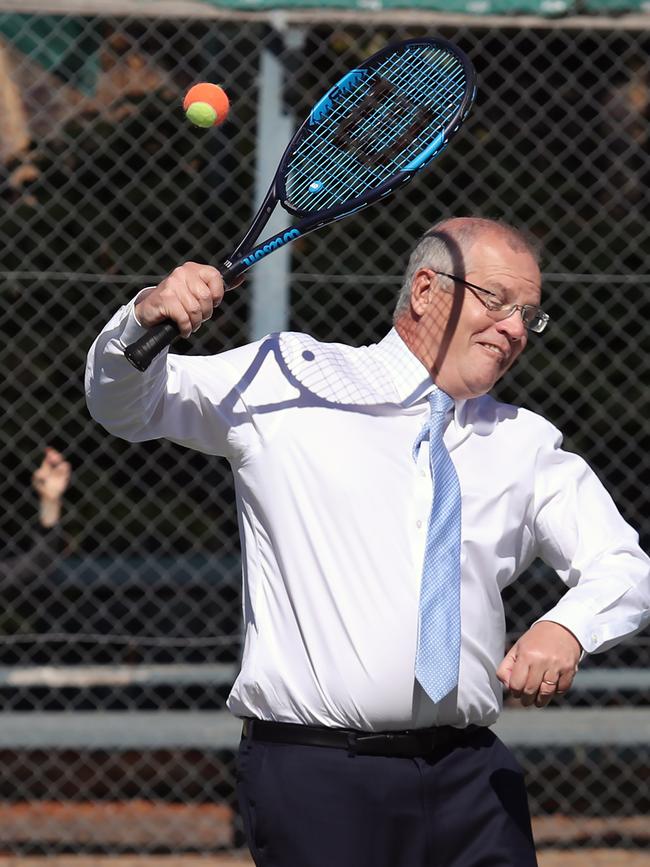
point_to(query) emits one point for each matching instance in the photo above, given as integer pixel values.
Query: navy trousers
(462, 806)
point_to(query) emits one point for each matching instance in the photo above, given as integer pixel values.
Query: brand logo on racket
(365, 147)
(270, 246)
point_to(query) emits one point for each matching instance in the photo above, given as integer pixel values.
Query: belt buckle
(371, 742)
(410, 743)
(398, 744)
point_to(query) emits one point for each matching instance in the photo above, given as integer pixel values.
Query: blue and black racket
(369, 135)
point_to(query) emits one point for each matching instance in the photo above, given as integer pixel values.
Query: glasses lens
(535, 319)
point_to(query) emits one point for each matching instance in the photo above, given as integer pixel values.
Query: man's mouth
(496, 350)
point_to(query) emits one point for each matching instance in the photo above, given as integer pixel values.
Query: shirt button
(418, 524)
(422, 473)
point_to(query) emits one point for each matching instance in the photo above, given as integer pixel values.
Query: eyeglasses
(533, 317)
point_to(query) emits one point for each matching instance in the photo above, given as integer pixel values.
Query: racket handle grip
(143, 350)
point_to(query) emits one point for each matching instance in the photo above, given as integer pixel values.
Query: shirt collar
(410, 377)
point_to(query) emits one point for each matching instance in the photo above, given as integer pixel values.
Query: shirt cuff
(132, 330)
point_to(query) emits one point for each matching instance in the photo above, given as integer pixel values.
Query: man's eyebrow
(500, 289)
(495, 288)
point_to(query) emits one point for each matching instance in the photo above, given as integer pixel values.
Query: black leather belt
(406, 744)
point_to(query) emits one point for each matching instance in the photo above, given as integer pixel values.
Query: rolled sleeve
(581, 534)
(195, 401)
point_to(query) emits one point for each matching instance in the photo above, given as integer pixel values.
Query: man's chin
(479, 387)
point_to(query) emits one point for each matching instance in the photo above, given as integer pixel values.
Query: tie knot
(440, 402)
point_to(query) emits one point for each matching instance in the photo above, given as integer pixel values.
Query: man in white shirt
(346, 757)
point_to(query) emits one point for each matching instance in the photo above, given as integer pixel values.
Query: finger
(541, 684)
(547, 688)
(529, 692)
(543, 698)
(205, 296)
(566, 680)
(194, 308)
(528, 695)
(519, 677)
(193, 292)
(63, 470)
(176, 310)
(504, 671)
(214, 281)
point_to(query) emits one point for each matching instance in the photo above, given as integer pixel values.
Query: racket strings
(415, 95)
(409, 92)
(348, 171)
(448, 87)
(413, 81)
(398, 137)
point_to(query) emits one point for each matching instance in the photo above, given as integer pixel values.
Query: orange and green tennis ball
(206, 104)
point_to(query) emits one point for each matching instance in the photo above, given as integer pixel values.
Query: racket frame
(248, 252)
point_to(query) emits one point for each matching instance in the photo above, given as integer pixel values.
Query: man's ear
(421, 290)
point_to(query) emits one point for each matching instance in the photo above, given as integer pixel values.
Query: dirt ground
(138, 824)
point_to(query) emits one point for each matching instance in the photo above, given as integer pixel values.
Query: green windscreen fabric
(59, 44)
(593, 7)
(470, 7)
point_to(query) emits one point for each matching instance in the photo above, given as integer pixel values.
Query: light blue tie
(438, 650)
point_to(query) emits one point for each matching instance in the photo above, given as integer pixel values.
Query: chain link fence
(105, 188)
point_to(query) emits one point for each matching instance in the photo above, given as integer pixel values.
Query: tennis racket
(375, 129)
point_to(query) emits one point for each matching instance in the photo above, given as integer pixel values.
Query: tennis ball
(201, 114)
(206, 104)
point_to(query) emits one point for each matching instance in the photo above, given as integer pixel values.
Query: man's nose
(513, 326)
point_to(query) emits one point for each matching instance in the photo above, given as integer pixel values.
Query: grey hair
(443, 246)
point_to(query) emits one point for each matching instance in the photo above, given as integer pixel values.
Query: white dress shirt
(333, 515)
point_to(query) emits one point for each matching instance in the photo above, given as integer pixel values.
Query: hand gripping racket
(369, 135)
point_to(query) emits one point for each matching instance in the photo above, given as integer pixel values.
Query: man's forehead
(518, 281)
(497, 257)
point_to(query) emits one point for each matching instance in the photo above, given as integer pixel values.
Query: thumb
(504, 671)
